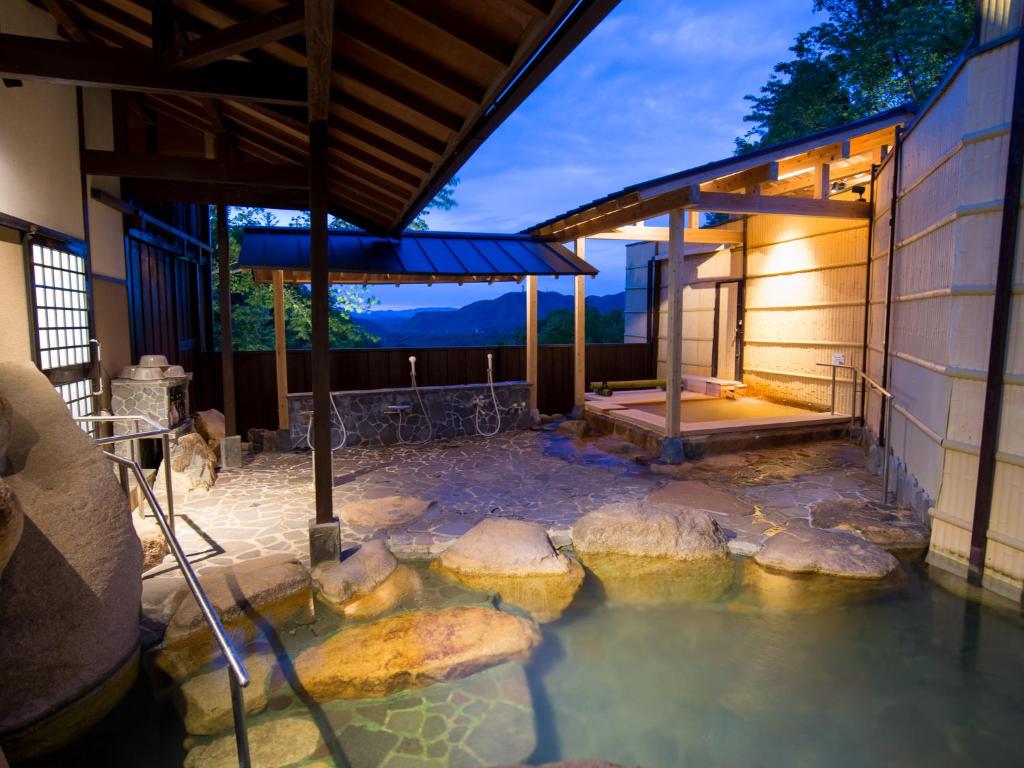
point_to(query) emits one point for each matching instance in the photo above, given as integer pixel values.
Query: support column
(227, 360)
(280, 351)
(531, 343)
(579, 322)
(672, 447)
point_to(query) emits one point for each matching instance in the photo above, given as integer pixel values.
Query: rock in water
(894, 530)
(70, 594)
(802, 549)
(645, 529)
(660, 580)
(402, 581)
(253, 599)
(205, 699)
(210, 425)
(357, 575)
(12, 523)
(385, 512)
(515, 559)
(193, 466)
(413, 650)
(272, 744)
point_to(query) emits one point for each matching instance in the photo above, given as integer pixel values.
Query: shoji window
(59, 291)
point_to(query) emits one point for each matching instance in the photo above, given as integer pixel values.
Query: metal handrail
(887, 398)
(238, 677)
(156, 431)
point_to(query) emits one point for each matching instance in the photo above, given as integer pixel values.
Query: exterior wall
(804, 303)
(635, 315)
(41, 184)
(948, 215)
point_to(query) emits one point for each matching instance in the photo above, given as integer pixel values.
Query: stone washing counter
(451, 409)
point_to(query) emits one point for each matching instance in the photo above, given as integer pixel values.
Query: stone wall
(452, 412)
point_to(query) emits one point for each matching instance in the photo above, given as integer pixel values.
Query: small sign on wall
(838, 358)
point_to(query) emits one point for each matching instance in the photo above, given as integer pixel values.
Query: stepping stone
(693, 494)
(402, 582)
(807, 592)
(803, 549)
(273, 743)
(660, 580)
(515, 559)
(205, 700)
(646, 529)
(894, 530)
(413, 650)
(385, 512)
(355, 576)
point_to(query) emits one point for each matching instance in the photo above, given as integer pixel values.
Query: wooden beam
(821, 182)
(244, 36)
(136, 70)
(869, 142)
(641, 211)
(99, 162)
(704, 235)
(214, 194)
(69, 20)
(749, 179)
(828, 154)
(227, 359)
(674, 332)
(579, 336)
(724, 202)
(280, 351)
(531, 342)
(319, 26)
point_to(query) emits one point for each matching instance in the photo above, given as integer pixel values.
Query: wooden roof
(776, 179)
(414, 87)
(416, 257)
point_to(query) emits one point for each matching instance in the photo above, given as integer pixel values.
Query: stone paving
(549, 477)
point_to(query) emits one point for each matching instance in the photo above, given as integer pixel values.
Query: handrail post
(887, 452)
(165, 442)
(238, 714)
(853, 400)
(833, 405)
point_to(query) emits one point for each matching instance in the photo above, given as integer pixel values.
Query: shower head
(490, 361)
(412, 365)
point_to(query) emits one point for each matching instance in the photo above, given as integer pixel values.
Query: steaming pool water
(775, 673)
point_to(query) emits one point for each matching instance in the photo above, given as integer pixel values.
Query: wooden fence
(256, 386)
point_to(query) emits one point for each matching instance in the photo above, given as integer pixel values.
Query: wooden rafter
(244, 36)
(725, 202)
(702, 235)
(69, 20)
(107, 163)
(748, 179)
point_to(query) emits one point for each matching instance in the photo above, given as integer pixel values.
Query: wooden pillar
(822, 184)
(319, 289)
(579, 322)
(280, 350)
(531, 341)
(227, 360)
(673, 358)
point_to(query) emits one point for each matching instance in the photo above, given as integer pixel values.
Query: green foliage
(868, 56)
(252, 304)
(557, 327)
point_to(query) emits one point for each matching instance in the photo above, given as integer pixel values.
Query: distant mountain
(490, 321)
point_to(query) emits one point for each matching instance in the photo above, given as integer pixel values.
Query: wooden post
(579, 321)
(280, 350)
(531, 341)
(673, 358)
(319, 289)
(821, 181)
(227, 360)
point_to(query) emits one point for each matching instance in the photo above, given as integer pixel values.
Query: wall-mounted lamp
(858, 190)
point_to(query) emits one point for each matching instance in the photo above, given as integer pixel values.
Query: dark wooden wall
(256, 388)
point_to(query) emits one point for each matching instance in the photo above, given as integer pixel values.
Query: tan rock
(6, 425)
(645, 529)
(694, 494)
(205, 700)
(412, 650)
(660, 580)
(70, 592)
(12, 523)
(358, 574)
(210, 425)
(193, 466)
(501, 546)
(252, 598)
(272, 744)
(802, 549)
(810, 592)
(385, 512)
(403, 581)
(894, 530)
(154, 545)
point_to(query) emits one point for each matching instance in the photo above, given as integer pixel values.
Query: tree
(868, 56)
(557, 327)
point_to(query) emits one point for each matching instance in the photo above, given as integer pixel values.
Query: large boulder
(803, 549)
(154, 544)
(210, 426)
(193, 466)
(631, 580)
(12, 524)
(402, 582)
(272, 744)
(515, 559)
(6, 421)
(385, 512)
(253, 599)
(647, 529)
(357, 575)
(895, 530)
(413, 650)
(70, 594)
(205, 699)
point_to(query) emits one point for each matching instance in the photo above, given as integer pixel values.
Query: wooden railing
(256, 387)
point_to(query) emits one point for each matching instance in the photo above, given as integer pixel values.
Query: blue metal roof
(355, 256)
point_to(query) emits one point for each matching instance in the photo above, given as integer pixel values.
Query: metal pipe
(833, 404)
(238, 712)
(887, 452)
(896, 161)
(165, 443)
(153, 433)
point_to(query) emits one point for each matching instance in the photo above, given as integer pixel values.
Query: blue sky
(657, 87)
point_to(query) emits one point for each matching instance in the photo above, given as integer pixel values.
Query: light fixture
(858, 190)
